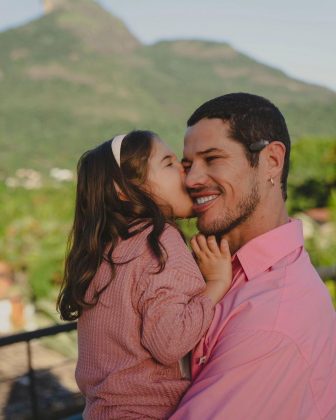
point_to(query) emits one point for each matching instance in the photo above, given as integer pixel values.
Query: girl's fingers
(202, 243)
(224, 248)
(212, 245)
(208, 246)
(194, 246)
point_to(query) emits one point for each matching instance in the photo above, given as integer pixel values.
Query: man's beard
(232, 218)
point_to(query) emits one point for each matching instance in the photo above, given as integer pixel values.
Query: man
(270, 352)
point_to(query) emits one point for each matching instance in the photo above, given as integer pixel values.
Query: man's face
(223, 185)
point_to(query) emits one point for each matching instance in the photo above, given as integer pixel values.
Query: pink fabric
(270, 352)
(131, 341)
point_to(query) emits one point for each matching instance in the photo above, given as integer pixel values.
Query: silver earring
(272, 181)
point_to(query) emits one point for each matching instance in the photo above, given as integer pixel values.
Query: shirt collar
(262, 252)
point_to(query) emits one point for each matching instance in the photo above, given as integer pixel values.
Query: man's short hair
(251, 119)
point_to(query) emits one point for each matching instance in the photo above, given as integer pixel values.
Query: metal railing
(27, 337)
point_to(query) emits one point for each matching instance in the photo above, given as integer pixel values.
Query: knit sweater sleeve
(175, 315)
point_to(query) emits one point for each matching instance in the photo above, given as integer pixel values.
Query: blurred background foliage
(312, 174)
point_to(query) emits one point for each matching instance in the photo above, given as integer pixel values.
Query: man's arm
(257, 375)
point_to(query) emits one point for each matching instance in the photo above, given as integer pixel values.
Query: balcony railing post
(32, 383)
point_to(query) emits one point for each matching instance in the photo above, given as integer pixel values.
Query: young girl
(139, 296)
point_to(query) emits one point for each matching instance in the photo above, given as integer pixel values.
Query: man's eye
(211, 158)
(186, 168)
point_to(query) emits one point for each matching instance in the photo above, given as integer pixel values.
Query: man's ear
(120, 193)
(274, 155)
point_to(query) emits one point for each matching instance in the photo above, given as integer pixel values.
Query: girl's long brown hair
(101, 218)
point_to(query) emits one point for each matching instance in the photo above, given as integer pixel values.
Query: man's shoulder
(292, 302)
(290, 284)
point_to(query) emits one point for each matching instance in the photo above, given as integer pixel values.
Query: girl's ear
(121, 194)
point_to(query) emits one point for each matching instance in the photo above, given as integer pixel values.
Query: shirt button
(202, 360)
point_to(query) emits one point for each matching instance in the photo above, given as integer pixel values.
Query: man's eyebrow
(204, 152)
(212, 149)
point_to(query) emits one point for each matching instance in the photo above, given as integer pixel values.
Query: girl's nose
(180, 167)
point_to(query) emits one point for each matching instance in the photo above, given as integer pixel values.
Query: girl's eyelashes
(171, 161)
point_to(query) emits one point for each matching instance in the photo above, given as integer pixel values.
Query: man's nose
(195, 177)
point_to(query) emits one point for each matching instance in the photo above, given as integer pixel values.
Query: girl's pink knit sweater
(131, 341)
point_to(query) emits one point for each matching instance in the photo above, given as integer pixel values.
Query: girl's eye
(186, 169)
(170, 164)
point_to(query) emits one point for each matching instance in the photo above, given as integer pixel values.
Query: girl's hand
(215, 264)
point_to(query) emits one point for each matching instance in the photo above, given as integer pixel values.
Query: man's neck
(256, 225)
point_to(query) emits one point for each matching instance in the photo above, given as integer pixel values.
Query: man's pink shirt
(270, 352)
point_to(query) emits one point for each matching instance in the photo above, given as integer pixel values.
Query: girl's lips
(201, 208)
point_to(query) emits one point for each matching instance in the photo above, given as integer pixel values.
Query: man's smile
(203, 200)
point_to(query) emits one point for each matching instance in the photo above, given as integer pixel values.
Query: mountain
(77, 76)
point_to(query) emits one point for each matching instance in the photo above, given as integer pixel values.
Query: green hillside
(77, 76)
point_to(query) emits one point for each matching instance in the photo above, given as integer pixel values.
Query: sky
(296, 36)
